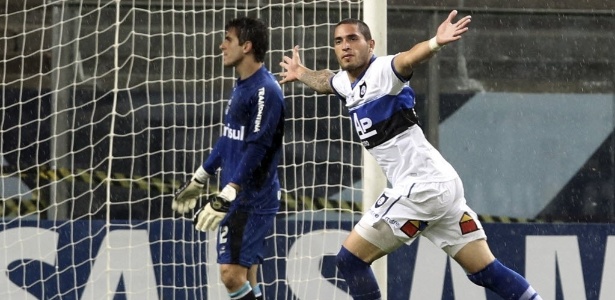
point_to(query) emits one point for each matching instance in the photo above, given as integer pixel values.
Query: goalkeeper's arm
(186, 195)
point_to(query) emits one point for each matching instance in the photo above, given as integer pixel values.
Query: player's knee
(496, 275)
(505, 282)
(341, 259)
(358, 275)
(347, 262)
(478, 280)
(486, 276)
(232, 276)
(231, 283)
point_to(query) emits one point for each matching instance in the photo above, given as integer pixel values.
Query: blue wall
(166, 259)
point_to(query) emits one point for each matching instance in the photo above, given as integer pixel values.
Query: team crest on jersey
(382, 200)
(413, 227)
(362, 89)
(467, 224)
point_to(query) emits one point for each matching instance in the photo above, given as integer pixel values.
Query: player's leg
(462, 229)
(240, 246)
(485, 270)
(364, 245)
(235, 279)
(354, 263)
(390, 222)
(474, 256)
(234, 270)
(253, 279)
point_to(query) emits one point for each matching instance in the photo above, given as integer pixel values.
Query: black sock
(248, 296)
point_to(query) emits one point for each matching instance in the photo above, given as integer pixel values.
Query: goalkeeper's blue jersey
(249, 148)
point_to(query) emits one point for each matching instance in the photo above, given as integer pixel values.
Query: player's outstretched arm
(317, 80)
(448, 32)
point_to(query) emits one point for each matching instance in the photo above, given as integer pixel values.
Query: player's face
(353, 52)
(232, 52)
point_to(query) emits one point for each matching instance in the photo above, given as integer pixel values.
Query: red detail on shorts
(411, 228)
(467, 224)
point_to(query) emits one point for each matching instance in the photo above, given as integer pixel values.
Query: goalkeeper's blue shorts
(241, 237)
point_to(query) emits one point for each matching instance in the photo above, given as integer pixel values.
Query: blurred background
(106, 113)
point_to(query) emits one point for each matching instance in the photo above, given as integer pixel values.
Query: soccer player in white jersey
(426, 195)
(246, 156)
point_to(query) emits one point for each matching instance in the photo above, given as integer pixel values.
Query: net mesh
(108, 106)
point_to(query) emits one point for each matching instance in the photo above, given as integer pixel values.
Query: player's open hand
(292, 67)
(186, 196)
(449, 32)
(208, 217)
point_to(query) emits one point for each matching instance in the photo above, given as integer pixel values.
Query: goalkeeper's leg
(253, 279)
(240, 251)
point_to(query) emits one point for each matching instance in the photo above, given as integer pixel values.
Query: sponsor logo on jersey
(261, 107)
(234, 134)
(391, 221)
(467, 224)
(413, 227)
(362, 126)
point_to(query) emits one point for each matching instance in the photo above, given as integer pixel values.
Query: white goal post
(108, 105)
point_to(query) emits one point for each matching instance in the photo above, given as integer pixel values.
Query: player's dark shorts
(241, 237)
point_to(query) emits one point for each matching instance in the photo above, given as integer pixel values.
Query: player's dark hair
(253, 30)
(363, 28)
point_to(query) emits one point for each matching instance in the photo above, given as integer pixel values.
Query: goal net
(108, 106)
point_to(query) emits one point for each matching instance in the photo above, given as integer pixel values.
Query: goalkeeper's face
(232, 52)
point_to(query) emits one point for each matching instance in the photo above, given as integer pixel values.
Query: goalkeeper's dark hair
(363, 28)
(253, 30)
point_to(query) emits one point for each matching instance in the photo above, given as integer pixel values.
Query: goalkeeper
(246, 155)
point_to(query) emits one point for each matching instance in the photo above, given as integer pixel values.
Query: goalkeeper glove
(186, 195)
(210, 215)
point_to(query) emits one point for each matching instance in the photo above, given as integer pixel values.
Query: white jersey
(381, 106)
